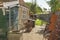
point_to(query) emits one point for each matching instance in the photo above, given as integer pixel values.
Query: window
(14, 16)
(24, 15)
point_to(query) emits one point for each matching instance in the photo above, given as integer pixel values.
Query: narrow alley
(33, 35)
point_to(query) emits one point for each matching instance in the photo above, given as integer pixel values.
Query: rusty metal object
(54, 27)
(52, 22)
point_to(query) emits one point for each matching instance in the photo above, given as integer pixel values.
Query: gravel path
(33, 35)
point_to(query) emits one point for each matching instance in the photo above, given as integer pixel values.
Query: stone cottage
(16, 13)
(23, 13)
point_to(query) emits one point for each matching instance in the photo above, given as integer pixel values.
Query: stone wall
(15, 36)
(23, 16)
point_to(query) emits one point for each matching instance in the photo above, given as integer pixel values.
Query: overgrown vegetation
(55, 5)
(34, 8)
(40, 22)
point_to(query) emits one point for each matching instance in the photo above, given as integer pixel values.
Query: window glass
(14, 16)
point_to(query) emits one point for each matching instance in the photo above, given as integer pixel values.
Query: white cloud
(41, 3)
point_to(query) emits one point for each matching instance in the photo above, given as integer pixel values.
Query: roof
(13, 3)
(45, 17)
(10, 4)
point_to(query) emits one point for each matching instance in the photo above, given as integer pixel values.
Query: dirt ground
(33, 35)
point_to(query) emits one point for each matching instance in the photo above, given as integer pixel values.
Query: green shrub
(39, 22)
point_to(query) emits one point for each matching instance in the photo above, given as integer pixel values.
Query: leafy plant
(34, 8)
(54, 4)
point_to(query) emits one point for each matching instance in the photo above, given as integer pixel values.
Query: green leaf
(34, 8)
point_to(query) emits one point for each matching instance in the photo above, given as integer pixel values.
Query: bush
(38, 22)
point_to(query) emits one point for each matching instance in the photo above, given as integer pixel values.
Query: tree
(33, 8)
(55, 5)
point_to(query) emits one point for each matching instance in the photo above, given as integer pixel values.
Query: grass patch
(40, 22)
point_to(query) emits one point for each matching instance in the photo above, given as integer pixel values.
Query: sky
(41, 3)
